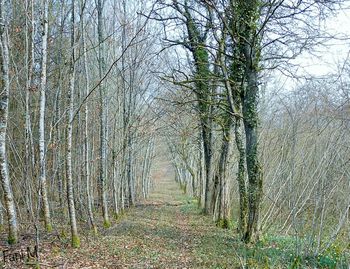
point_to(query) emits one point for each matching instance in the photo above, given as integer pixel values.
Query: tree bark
(28, 165)
(250, 119)
(4, 100)
(70, 116)
(220, 196)
(249, 44)
(241, 178)
(42, 149)
(86, 128)
(103, 137)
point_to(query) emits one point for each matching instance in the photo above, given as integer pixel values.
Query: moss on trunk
(75, 241)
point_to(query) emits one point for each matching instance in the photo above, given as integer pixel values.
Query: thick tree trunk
(246, 66)
(250, 46)
(250, 119)
(241, 178)
(42, 149)
(220, 195)
(4, 100)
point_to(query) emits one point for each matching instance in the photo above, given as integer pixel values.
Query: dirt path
(166, 231)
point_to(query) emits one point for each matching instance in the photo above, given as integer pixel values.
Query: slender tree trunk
(70, 115)
(4, 100)
(115, 184)
(1, 217)
(130, 175)
(204, 95)
(57, 152)
(200, 54)
(146, 167)
(103, 137)
(207, 147)
(216, 190)
(86, 128)
(143, 176)
(115, 165)
(42, 149)
(201, 174)
(126, 103)
(149, 167)
(27, 159)
(58, 138)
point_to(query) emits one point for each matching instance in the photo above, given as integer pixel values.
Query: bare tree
(42, 148)
(70, 118)
(86, 124)
(103, 119)
(4, 100)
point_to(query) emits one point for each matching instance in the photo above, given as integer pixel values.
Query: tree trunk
(233, 91)
(4, 100)
(207, 150)
(203, 92)
(58, 138)
(42, 149)
(103, 137)
(70, 117)
(250, 119)
(27, 171)
(219, 199)
(86, 128)
(242, 189)
(130, 176)
(250, 48)
(246, 66)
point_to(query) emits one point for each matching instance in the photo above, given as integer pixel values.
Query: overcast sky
(327, 58)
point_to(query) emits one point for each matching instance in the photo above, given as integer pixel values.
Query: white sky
(327, 58)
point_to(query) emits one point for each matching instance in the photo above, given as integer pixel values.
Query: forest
(175, 134)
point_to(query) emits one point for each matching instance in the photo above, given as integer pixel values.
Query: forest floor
(166, 231)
